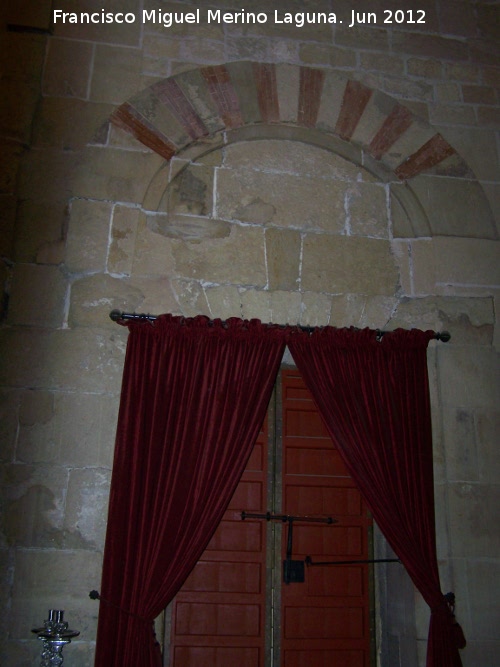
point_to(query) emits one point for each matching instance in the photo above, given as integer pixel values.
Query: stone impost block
(94, 297)
(78, 360)
(340, 264)
(281, 200)
(238, 259)
(68, 69)
(88, 234)
(283, 258)
(87, 509)
(38, 295)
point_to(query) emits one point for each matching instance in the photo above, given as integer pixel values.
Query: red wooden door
(234, 609)
(218, 618)
(326, 620)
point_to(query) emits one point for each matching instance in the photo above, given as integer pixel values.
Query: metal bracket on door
(309, 561)
(293, 570)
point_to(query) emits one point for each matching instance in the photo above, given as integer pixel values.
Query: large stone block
(94, 297)
(88, 234)
(291, 157)
(115, 175)
(72, 429)
(238, 259)
(315, 309)
(455, 207)
(224, 301)
(282, 200)
(358, 310)
(447, 265)
(116, 73)
(342, 264)
(191, 298)
(70, 360)
(38, 295)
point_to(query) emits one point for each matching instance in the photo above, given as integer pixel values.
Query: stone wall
(313, 190)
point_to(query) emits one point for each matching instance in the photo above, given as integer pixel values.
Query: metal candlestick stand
(55, 634)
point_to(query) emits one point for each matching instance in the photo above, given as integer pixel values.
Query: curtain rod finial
(116, 315)
(444, 336)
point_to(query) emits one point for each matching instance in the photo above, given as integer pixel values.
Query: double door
(236, 609)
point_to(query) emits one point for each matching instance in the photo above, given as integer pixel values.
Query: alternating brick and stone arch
(198, 111)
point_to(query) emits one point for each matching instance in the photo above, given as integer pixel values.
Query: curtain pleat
(194, 396)
(373, 396)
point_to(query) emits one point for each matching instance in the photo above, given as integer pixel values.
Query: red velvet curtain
(374, 398)
(194, 397)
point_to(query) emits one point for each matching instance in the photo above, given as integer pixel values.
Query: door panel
(328, 616)
(218, 617)
(224, 612)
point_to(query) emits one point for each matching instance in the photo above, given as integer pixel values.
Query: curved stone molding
(195, 112)
(175, 112)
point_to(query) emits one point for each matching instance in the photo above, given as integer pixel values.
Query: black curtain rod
(118, 315)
